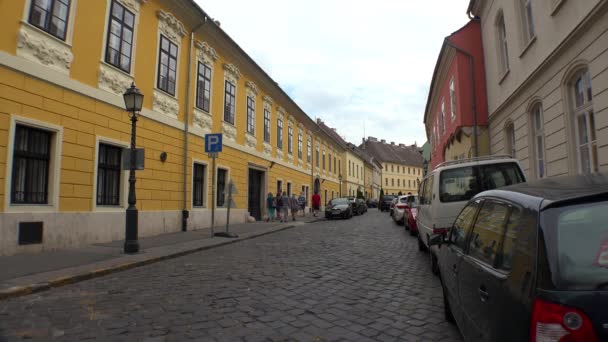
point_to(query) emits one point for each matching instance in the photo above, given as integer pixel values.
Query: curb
(25, 290)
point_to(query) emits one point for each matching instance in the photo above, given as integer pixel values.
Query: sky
(363, 67)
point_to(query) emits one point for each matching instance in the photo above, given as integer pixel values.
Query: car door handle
(483, 294)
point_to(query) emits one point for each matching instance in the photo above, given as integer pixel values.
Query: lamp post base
(131, 247)
(226, 235)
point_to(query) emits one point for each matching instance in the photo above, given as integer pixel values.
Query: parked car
(361, 206)
(399, 209)
(358, 205)
(446, 190)
(529, 262)
(411, 211)
(338, 207)
(372, 203)
(392, 206)
(385, 204)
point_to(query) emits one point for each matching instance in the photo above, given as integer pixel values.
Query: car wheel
(412, 232)
(421, 246)
(405, 225)
(434, 264)
(447, 310)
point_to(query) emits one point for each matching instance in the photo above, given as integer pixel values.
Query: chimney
(393, 143)
(401, 145)
(383, 141)
(363, 141)
(333, 129)
(372, 139)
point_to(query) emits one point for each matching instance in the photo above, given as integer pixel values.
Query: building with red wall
(457, 104)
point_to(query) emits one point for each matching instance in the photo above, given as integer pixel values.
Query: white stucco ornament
(232, 71)
(113, 80)
(44, 49)
(229, 131)
(267, 148)
(165, 104)
(202, 119)
(206, 53)
(250, 141)
(169, 25)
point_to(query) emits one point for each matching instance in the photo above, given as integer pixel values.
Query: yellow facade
(400, 178)
(65, 88)
(462, 145)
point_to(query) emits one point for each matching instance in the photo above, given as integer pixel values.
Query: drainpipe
(185, 213)
(473, 96)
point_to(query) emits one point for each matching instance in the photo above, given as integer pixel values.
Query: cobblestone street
(361, 279)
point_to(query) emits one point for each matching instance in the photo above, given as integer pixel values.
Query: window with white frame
(167, 65)
(203, 90)
(443, 115)
(510, 140)
(308, 150)
(50, 16)
(323, 160)
(120, 37)
(527, 19)
(289, 138)
(503, 48)
(280, 133)
(198, 185)
(300, 145)
(229, 101)
(317, 156)
(538, 144)
(584, 122)
(108, 174)
(31, 165)
(250, 115)
(452, 100)
(266, 125)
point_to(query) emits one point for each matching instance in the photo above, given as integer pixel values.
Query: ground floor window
(222, 178)
(31, 159)
(198, 185)
(108, 174)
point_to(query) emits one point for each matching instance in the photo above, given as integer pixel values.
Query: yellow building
(401, 165)
(63, 124)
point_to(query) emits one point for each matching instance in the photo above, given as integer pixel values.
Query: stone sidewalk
(28, 273)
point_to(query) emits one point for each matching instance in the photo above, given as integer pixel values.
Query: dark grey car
(530, 262)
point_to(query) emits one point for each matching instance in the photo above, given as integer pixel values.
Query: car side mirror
(438, 240)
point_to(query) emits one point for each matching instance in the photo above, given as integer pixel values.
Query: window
(198, 185)
(357, 171)
(288, 189)
(409, 170)
(317, 155)
(280, 133)
(409, 184)
(279, 187)
(386, 181)
(398, 182)
(50, 16)
(108, 175)
(503, 48)
(488, 231)
(349, 169)
(31, 159)
(267, 125)
(308, 151)
(462, 225)
(584, 122)
(443, 115)
(329, 162)
(229, 102)
(120, 37)
(203, 90)
(299, 145)
(339, 166)
(510, 140)
(323, 160)
(290, 139)
(334, 164)
(222, 181)
(392, 168)
(167, 65)
(515, 223)
(538, 144)
(250, 115)
(452, 100)
(527, 20)
(392, 181)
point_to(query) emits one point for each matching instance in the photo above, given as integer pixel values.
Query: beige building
(547, 78)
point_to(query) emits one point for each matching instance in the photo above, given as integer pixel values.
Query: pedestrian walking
(277, 205)
(302, 203)
(316, 203)
(294, 206)
(270, 205)
(284, 207)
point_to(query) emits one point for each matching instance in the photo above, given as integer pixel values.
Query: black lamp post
(340, 188)
(133, 102)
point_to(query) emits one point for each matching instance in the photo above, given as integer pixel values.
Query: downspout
(185, 213)
(474, 97)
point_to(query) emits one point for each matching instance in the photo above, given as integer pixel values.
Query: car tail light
(401, 206)
(555, 322)
(439, 230)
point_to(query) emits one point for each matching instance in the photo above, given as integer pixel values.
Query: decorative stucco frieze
(280, 112)
(267, 148)
(252, 88)
(250, 141)
(44, 49)
(268, 99)
(202, 119)
(229, 131)
(170, 26)
(206, 53)
(290, 157)
(290, 118)
(230, 70)
(279, 153)
(112, 80)
(133, 5)
(165, 104)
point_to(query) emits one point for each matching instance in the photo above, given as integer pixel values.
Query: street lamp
(133, 102)
(340, 188)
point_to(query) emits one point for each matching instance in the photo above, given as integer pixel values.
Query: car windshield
(388, 198)
(336, 201)
(461, 184)
(580, 245)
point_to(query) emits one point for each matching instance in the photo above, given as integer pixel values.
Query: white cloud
(352, 63)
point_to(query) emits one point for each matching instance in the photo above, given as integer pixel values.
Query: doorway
(255, 198)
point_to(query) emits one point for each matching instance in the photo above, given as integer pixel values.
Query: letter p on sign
(213, 143)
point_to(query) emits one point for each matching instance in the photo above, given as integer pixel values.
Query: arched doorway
(317, 186)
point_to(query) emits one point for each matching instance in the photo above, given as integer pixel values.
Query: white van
(447, 189)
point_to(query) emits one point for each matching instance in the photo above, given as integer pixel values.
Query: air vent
(30, 233)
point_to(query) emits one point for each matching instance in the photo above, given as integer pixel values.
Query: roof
(331, 132)
(559, 189)
(398, 154)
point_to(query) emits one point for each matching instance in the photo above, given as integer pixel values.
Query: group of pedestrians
(281, 205)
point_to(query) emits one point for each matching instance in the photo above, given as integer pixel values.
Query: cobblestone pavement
(361, 279)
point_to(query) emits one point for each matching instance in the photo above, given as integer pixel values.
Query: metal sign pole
(213, 194)
(228, 211)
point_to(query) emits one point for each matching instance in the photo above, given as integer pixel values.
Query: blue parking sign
(213, 143)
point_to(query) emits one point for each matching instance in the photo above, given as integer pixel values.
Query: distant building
(456, 114)
(401, 165)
